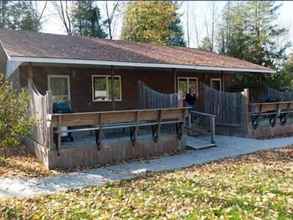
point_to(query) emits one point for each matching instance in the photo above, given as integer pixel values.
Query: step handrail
(212, 122)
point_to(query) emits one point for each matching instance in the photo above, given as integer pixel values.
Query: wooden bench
(271, 111)
(132, 119)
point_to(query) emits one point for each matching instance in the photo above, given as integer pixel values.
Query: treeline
(242, 29)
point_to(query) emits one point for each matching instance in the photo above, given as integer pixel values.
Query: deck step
(198, 143)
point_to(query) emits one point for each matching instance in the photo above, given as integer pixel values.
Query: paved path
(226, 147)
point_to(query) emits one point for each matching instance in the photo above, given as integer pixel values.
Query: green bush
(14, 120)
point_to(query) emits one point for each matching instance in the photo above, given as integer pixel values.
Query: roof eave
(133, 64)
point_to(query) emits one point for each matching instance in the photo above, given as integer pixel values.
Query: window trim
(216, 79)
(188, 78)
(50, 76)
(107, 87)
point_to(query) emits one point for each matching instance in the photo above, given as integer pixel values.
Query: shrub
(14, 120)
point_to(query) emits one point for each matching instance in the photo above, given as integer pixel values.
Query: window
(185, 84)
(216, 83)
(102, 88)
(59, 85)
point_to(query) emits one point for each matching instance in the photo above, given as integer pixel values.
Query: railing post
(189, 120)
(213, 129)
(49, 111)
(245, 108)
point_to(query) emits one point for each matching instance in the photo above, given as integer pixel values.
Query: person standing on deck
(190, 98)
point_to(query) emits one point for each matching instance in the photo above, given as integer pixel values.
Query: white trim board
(107, 87)
(188, 79)
(131, 64)
(67, 77)
(216, 79)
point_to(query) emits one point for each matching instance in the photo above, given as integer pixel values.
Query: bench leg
(98, 139)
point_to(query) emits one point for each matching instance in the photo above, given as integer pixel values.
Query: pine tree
(284, 78)
(86, 20)
(206, 44)
(19, 15)
(153, 21)
(176, 36)
(249, 32)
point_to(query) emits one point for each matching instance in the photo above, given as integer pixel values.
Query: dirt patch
(19, 162)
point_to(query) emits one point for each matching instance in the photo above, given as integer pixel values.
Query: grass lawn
(256, 186)
(19, 162)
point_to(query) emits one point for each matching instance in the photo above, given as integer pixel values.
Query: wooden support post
(213, 129)
(278, 109)
(30, 71)
(58, 144)
(133, 130)
(49, 127)
(245, 115)
(30, 75)
(159, 122)
(175, 79)
(222, 81)
(186, 113)
(99, 131)
(112, 88)
(189, 121)
(136, 122)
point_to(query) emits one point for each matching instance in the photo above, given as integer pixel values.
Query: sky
(199, 15)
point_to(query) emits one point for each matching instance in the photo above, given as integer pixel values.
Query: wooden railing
(270, 111)
(269, 107)
(212, 123)
(98, 121)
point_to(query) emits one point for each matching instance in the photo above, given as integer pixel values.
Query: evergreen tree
(19, 15)
(176, 34)
(206, 44)
(86, 19)
(153, 21)
(249, 32)
(284, 78)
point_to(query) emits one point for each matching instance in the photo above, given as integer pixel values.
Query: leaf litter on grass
(255, 186)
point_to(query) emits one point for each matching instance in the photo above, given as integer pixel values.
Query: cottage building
(102, 81)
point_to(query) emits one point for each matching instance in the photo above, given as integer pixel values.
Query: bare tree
(110, 16)
(187, 25)
(213, 25)
(210, 24)
(42, 11)
(206, 23)
(63, 8)
(196, 31)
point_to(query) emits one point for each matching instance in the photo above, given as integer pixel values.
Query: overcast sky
(199, 15)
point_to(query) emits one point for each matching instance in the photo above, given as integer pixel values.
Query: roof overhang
(19, 60)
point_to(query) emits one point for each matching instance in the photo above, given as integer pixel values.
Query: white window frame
(60, 76)
(188, 78)
(108, 78)
(216, 79)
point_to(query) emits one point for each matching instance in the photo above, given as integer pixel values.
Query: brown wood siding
(81, 84)
(3, 61)
(162, 80)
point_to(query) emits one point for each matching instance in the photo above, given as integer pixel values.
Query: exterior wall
(162, 80)
(81, 85)
(112, 151)
(3, 60)
(14, 78)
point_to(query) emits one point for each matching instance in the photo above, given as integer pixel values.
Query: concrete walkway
(226, 147)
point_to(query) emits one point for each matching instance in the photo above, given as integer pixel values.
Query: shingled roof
(42, 45)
